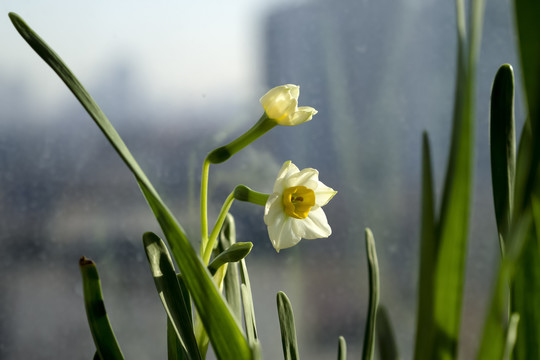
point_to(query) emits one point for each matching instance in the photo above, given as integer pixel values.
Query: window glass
(178, 79)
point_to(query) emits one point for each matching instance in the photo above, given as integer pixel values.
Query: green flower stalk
(280, 106)
(241, 193)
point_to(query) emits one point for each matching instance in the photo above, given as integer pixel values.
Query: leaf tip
(84, 261)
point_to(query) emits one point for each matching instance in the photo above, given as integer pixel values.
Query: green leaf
(224, 332)
(527, 14)
(425, 326)
(525, 295)
(342, 348)
(373, 267)
(170, 293)
(385, 336)
(525, 289)
(104, 339)
(234, 253)
(496, 329)
(256, 351)
(247, 302)
(528, 28)
(511, 335)
(175, 349)
(185, 294)
(231, 283)
(503, 146)
(287, 327)
(453, 224)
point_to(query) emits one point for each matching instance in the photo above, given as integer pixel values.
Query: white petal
(272, 94)
(288, 108)
(280, 226)
(303, 114)
(323, 194)
(273, 208)
(315, 225)
(307, 177)
(281, 234)
(309, 109)
(279, 103)
(295, 90)
(287, 170)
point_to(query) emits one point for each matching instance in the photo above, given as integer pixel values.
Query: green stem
(217, 227)
(243, 193)
(204, 204)
(223, 153)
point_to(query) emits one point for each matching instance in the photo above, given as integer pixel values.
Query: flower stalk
(241, 193)
(224, 153)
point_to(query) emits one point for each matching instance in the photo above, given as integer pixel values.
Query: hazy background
(180, 78)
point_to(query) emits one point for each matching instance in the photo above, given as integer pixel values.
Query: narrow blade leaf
(100, 327)
(342, 348)
(231, 283)
(525, 295)
(511, 335)
(496, 328)
(247, 302)
(385, 336)
(175, 349)
(234, 253)
(453, 224)
(503, 146)
(287, 327)
(528, 27)
(374, 289)
(224, 332)
(170, 293)
(424, 324)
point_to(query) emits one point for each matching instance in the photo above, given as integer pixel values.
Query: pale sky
(194, 50)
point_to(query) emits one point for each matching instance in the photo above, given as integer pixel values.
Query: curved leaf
(287, 327)
(234, 253)
(224, 332)
(100, 327)
(170, 293)
(503, 146)
(374, 289)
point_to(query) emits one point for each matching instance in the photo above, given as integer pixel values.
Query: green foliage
(385, 336)
(170, 293)
(342, 348)
(512, 323)
(425, 326)
(234, 253)
(231, 283)
(525, 290)
(104, 339)
(247, 302)
(175, 350)
(225, 335)
(447, 244)
(288, 329)
(497, 328)
(503, 147)
(368, 350)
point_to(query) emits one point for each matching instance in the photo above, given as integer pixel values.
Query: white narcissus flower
(281, 105)
(294, 210)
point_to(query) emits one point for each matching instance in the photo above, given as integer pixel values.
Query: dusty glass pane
(178, 80)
